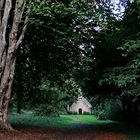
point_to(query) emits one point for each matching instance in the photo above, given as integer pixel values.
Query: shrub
(113, 110)
(109, 109)
(86, 113)
(72, 113)
(102, 115)
(46, 110)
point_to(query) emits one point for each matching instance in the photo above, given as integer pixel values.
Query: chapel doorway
(80, 110)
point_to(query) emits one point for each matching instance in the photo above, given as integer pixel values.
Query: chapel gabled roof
(84, 100)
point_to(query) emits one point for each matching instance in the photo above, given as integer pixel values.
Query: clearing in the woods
(68, 127)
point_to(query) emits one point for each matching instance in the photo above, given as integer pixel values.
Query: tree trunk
(19, 102)
(19, 84)
(6, 85)
(5, 70)
(8, 51)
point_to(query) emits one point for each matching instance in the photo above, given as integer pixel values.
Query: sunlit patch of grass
(27, 118)
(85, 119)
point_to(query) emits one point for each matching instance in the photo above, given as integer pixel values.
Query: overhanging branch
(23, 32)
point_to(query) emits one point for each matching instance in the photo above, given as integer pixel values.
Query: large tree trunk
(6, 85)
(6, 81)
(8, 52)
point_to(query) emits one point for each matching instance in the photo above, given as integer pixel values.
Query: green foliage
(102, 115)
(54, 99)
(86, 113)
(113, 110)
(51, 100)
(72, 113)
(130, 46)
(52, 10)
(108, 108)
(46, 110)
(71, 89)
(125, 77)
(120, 77)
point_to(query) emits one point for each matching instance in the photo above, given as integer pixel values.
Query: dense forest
(49, 49)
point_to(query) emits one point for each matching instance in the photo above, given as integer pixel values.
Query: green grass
(28, 119)
(62, 121)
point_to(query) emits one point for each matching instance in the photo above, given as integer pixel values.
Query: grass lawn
(76, 122)
(28, 119)
(62, 121)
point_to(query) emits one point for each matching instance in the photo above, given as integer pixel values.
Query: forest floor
(76, 133)
(83, 133)
(68, 127)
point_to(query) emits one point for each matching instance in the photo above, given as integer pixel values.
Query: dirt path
(72, 133)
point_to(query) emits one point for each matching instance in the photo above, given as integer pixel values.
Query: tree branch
(3, 28)
(1, 7)
(7, 9)
(23, 32)
(19, 10)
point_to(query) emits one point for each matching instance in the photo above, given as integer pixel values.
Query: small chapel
(80, 106)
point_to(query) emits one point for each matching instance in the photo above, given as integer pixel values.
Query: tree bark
(3, 27)
(6, 85)
(8, 54)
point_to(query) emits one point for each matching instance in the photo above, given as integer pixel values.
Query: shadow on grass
(108, 127)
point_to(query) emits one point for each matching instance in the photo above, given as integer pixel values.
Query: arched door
(80, 110)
